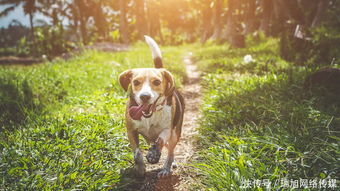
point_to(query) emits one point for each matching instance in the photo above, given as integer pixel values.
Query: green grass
(214, 58)
(8, 51)
(259, 123)
(62, 122)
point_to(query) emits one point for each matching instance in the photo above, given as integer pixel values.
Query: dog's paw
(163, 173)
(139, 170)
(153, 155)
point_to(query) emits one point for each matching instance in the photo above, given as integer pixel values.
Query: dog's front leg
(170, 140)
(155, 151)
(139, 166)
(170, 158)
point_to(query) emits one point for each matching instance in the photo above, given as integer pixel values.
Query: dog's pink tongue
(136, 111)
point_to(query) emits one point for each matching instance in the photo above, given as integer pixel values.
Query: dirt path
(184, 152)
(181, 176)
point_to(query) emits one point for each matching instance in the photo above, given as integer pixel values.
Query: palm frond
(10, 2)
(6, 11)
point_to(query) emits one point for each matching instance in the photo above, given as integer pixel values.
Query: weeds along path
(181, 176)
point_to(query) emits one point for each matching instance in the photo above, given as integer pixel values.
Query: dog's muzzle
(146, 110)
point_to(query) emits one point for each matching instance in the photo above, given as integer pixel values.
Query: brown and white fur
(153, 86)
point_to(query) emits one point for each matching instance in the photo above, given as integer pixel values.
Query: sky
(19, 15)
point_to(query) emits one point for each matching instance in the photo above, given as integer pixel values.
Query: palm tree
(218, 6)
(29, 9)
(140, 18)
(83, 9)
(12, 4)
(123, 22)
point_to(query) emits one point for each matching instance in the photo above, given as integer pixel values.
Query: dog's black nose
(145, 97)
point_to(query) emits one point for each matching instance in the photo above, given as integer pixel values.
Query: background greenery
(173, 22)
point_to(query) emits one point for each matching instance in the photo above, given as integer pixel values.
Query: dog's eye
(136, 82)
(156, 82)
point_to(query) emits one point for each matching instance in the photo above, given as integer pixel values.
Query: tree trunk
(83, 28)
(281, 10)
(230, 27)
(296, 11)
(99, 19)
(82, 18)
(235, 39)
(123, 24)
(31, 17)
(267, 7)
(140, 18)
(250, 16)
(32, 26)
(154, 23)
(281, 14)
(217, 20)
(321, 10)
(206, 17)
(74, 17)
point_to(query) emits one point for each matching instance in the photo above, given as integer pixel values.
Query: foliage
(321, 50)
(260, 123)
(50, 41)
(12, 39)
(325, 45)
(320, 44)
(179, 22)
(222, 58)
(62, 122)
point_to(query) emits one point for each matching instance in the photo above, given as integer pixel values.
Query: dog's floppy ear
(125, 79)
(170, 86)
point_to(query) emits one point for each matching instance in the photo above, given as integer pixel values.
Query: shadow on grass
(326, 101)
(277, 109)
(149, 182)
(16, 102)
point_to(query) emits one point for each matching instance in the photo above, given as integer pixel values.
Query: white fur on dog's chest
(153, 126)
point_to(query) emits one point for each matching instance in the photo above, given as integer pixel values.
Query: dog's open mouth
(145, 110)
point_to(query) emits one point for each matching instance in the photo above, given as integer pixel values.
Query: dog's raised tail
(156, 52)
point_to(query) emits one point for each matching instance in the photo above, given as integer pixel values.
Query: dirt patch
(108, 47)
(19, 60)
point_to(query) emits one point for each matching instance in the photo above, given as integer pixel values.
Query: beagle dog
(155, 110)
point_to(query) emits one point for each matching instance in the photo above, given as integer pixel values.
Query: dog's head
(147, 84)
